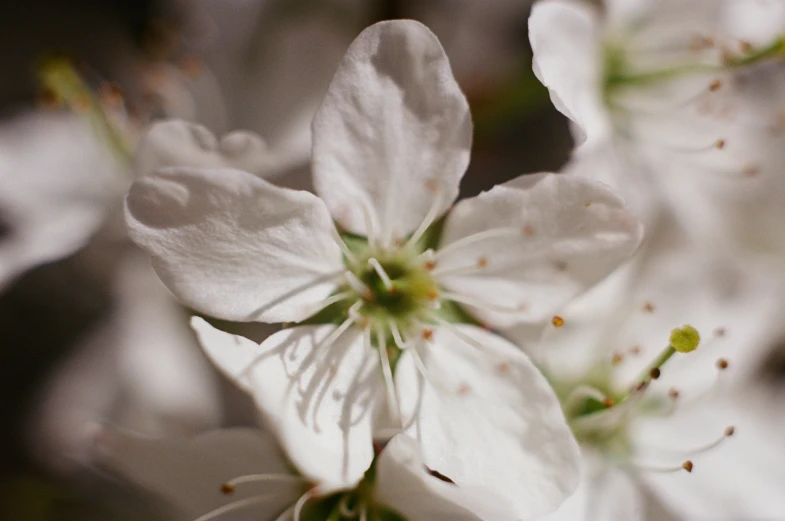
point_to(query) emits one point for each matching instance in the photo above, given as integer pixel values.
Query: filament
(392, 401)
(235, 505)
(298, 507)
(477, 237)
(455, 331)
(433, 211)
(343, 246)
(377, 267)
(477, 303)
(250, 478)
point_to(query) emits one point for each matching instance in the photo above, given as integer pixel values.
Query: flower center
(599, 413)
(396, 286)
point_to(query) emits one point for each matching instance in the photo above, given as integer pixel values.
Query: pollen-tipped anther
(227, 489)
(557, 321)
(730, 430)
(654, 373)
(722, 364)
(687, 465)
(685, 339)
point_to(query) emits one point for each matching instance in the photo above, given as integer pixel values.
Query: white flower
(677, 99)
(56, 181)
(241, 474)
(695, 415)
(391, 142)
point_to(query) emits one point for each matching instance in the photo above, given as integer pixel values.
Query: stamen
(392, 400)
(235, 505)
(396, 334)
(455, 331)
(250, 478)
(476, 303)
(331, 300)
(358, 286)
(727, 433)
(477, 237)
(557, 321)
(687, 465)
(427, 259)
(298, 507)
(579, 395)
(433, 211)
(350, 257)
(377, 267)
(369, 231)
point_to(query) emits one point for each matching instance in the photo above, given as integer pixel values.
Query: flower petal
(606, 493)
(533, 243)
(741, 479)
(404, 485)
(488, 419)
(188, 474)
(393, 133)
(235, 246)
(565, 41)
(181, 143)
(57, 183)
(320, 400)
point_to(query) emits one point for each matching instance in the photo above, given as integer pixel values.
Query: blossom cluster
(580, 345)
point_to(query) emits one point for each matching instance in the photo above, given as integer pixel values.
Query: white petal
(488, 419)
(393, 132)
(741, 479)
(181, 143)
(565, 41)
(57, 182)
(188, 473)
(404, 485)
(234, 246)
(605, 494)
(557, 235)
(320, 402)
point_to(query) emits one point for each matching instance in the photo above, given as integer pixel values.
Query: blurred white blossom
(678, 104)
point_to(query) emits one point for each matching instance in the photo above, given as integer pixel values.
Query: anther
(527, 230)
(654, 373)
(719, 144)
(557, 321)
(684, 339)
(648, 307)
(673, 394)
(730, 431)
(608, 402)
(429, 265)
(722, 364)
(427, 335)
(227, 489)
(635, 350)
(482, 262)
(715, 85)
(617, 358)
(720, 332)
(687, 465)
